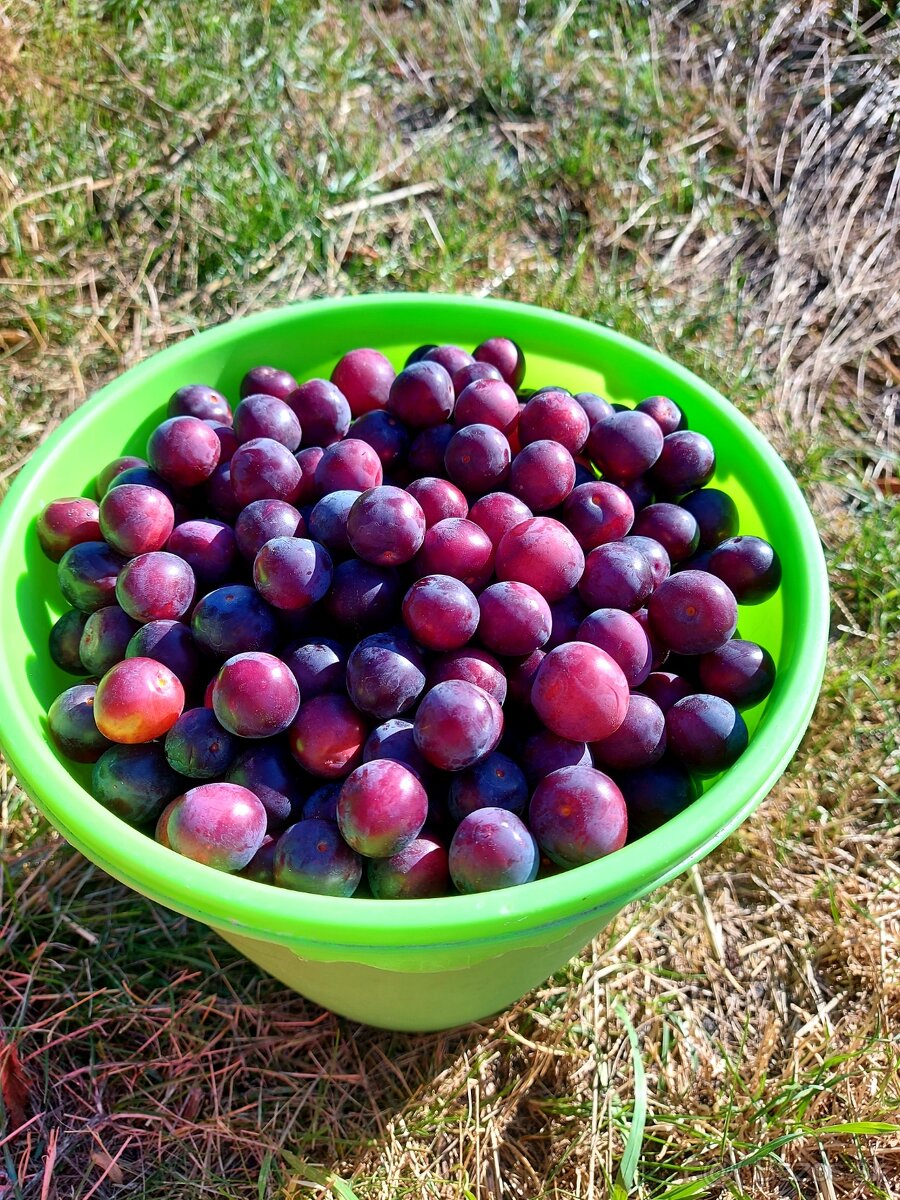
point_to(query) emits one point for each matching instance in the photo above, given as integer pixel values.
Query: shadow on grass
(141, 1029)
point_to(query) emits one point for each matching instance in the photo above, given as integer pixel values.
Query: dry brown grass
(764, 988)
(811, 111)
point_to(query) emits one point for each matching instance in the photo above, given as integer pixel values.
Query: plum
(268, 770)
(292, 573)
(327, 736)
(63, 524)
(255, 695)
(138, 700)
(233, 620)
(136, 519)
(457, 724)
(311, 856)
(580, 693)
(208, 547)
(198, 400)
(65, 640)
(417, 872)
(104, 642)
(135, 782)
(87, 575)
(381, 808)
(157, 586)
(73, 724)
(578, 815)
(184, 451)
(219, 824)
(492, 848)
(197, 746)
(169, 643)
(495, 782)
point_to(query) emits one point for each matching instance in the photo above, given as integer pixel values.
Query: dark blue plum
(65, 638)
(394, 740)
(654, 795)
(87, 575)
(268, 771)
(322, 803)
(705, 733)
(545, 752)
(328, 520)
(495, 782)
(135, 782)
(197, 746)
(261, 867)
(427, 450)
(145, 476)
(419, 353)
(105, 639)
(385, 675)
(386, 434)
(363, 595)
(233, 620)
(716, 515)
(208, 547)
(169, 643)
(72, 725)
(318, 664)
(311, 856)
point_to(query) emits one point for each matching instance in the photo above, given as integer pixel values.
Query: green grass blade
(262, 1182)
(625, 1176)
(342, 1190)
(862, 1128)
(320, 1177)
(698, 1187)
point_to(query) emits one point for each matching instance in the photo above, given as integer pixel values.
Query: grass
(717, 180)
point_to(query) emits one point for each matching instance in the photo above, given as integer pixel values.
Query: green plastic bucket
(423, 964)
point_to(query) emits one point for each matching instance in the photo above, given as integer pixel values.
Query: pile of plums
(428, 628)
